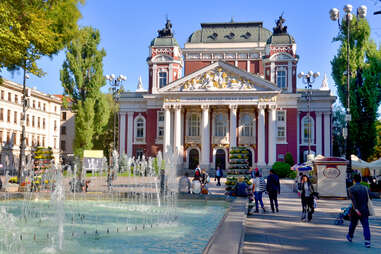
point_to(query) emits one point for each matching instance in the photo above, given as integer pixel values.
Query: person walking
(219, 174)
(360, 211)
(307, 198)
(184, 184)
(273, 189)
(259, 188)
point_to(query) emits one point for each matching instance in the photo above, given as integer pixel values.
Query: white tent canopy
(358, 163)
(375, 164)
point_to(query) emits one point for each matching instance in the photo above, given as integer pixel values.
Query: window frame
(193, 129)
(305, 122)
(162, 78)
(220, 126)
(139, 139)
(246, 127)
(283, 77)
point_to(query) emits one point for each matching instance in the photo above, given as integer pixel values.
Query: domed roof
(230, 32)
(281, 39)
(164, 41)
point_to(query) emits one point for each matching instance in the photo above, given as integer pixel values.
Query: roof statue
(280, 29)
(167, 31)
(324, 83)
(140, 85)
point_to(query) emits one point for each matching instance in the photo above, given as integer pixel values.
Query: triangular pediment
(217, 77)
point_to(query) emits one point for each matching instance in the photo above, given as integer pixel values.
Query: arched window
(194, 124)
(140, 129)
(220, 125)
(246, 124)
(308, 130)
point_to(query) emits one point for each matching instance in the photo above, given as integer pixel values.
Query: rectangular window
(1, 137)
(162, 79)
(26, 141)
(281, 132)
(43, 123)
(55, 125)
(160, 124)
(43, 141)
(161, 116)
(8, 137)
(39, 105)
(63, 145)
(16, 99)
(55, 108)
(63, 130)
(139, 152)
(27, 120)
(281, 79)
(281, 116)
(14, 138)
(55, 143)
(2, 94)
(9, 97)
(32, 121)
(9, 116)
(160, 132)
(34, 104)
(38, 122)
(15, 118)
(64, 116)
(1, 114)
(44, 105)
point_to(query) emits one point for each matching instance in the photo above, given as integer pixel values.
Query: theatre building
(233, 84)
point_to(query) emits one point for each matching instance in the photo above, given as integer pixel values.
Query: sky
(127, 28)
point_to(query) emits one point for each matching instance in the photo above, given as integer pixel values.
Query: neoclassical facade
(238, 89)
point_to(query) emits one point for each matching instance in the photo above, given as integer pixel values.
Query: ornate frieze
(216, 79)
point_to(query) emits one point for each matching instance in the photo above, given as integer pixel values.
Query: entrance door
(220, 159)
(193, 158)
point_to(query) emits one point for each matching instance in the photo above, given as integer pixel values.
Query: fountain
(140, 213)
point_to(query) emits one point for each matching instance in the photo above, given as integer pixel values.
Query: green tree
(288, 159)
(30, 29)
(338, 123)
(84, 131)
(365, 87)
(377, 147)
(82, 78)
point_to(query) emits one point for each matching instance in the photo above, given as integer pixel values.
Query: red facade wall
(192, 66)
(242, 65)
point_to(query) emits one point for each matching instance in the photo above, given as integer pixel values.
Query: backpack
(197, 173)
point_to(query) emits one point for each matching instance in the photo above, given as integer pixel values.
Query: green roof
(230, 32)
(164, 41)
(281, 39)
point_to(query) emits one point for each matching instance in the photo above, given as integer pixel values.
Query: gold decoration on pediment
(186, 146)
(267, 99)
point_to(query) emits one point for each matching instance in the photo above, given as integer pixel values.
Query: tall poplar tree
(82, 78)
(365, 87)
(30, 29)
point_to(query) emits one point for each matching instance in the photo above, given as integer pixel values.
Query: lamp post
(115, 83)
(335, 16)
(25, 106)
(308, 79)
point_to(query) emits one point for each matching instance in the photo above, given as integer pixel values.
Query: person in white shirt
(259, 188)
(184, 184)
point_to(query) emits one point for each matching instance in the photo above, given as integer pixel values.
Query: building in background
(67, 130)
(42, 123)
(238, 89)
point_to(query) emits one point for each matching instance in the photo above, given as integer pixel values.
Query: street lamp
(25, 106)
(335, 16)
(308, 79)
(115, 83)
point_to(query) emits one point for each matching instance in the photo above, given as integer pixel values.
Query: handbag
(370, 207)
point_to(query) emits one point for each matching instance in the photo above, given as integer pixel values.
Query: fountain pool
(107, 226)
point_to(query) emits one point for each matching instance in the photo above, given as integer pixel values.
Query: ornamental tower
(164, 62)
(280, 58)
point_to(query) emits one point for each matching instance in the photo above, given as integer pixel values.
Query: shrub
(288, 159)
(292, 174)
(282, 169)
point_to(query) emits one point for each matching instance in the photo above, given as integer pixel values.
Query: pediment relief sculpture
(217, 79)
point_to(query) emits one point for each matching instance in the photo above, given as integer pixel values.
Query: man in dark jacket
(359, 196)
(273, 189)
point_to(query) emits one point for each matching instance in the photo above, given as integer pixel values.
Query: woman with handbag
(307, 198)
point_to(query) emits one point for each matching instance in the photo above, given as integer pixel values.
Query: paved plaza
(283, 232)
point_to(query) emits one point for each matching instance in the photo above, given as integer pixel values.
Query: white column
(248, 66)
(261, 136)
(327, 134)
(177, 138)
(122, 133)
(319, 134)
(298, 137)
(167, 131)
(205, 137)
(272, 139)
(130, 127)
(233, 125)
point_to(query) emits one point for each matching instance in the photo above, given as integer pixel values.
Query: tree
(84, 131)
(365, 87)
(338, 123)
(82, 78)
(30, 29)
(288, 159)
(377, 147)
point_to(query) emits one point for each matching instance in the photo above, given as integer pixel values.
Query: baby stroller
(344, 215)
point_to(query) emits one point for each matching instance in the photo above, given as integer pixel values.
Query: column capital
(166, 107)
(233, 107)
(261, 106)
(130, 113)
(177, 107)
(272, 107)
(319, 113)
(205, 106)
